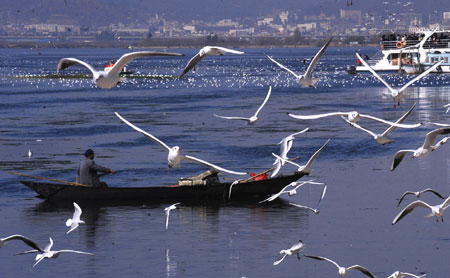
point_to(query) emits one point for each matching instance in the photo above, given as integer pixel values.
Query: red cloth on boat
(260, 177)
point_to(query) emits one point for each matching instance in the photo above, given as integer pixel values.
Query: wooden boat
(258, 190)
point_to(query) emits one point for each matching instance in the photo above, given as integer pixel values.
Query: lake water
(57, 119)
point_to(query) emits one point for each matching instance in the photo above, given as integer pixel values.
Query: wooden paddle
(266, 171)
(49, 179)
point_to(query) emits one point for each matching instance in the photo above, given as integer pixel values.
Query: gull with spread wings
(253, 118)
(175, 156)
(343, 271)
(418, 194)
(108, 79)
(306, 79)
(437, 210)
(295, 249)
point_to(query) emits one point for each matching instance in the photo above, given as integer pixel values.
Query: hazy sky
(99, 11)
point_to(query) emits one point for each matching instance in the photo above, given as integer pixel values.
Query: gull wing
(280, 260)
(232, 118)
(362, 269)
(72, 227)
(194, 159)
(264, 102)
(281, 66)
(317, 116)
(223, 50)
(433, 191)
(26, 240)
(431, 136)
(285, 160)
(410, 208)
(68, 62)
(39, 260)
(48, 246)
(423, 74)
(276, 168)
(128, 57)
(77, 212)
(374, 73)
(446, 203)
(398, 157)
(389, 123)
(359, 127)
(314, 156)
(403, 196)
(143, 132)
(304, 207)
(276, 195)
(448, 109)
(74, 251)
(192, 63)
(316, 58)
(323, 259)
(399, 121)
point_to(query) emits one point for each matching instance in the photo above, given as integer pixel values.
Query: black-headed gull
(306, 79)
(48, 254)
(418, 194)
(352, 116)
(397, 95)
(167, 212)
(306, 169)
(175, 156)
(343, 271)
(108, 79)
(75, 221)
(285, 147)
(437, 210)
(382, 138)
(26, 240)
(315, 210)
(398, 274)
(205, 51)
(291, 192)
(425, 149)
(295, 249)
(253, 118)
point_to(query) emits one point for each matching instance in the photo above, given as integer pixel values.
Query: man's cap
(88, 152)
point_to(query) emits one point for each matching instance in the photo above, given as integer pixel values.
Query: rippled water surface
(58, 118)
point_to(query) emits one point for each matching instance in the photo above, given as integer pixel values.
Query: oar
(49, 179)
(266, 171)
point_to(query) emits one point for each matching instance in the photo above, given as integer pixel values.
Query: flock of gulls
(109, 78)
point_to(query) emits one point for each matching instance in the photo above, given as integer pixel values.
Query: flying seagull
(397, 95)
(75, 221)
(418, 194)
(448, 107)
(306, 79)
(253, 118)
(437, 210)
(295, 249)
(425, 149)
(48, 254)
(205, 51)
(167, 211)
(175, 156)
(353, 116)
(291, 192)
(316, 210)
(343, 271)
(26, 240)
(398, 274)
(306, 169)
(110, 78)
(285, 147)
(382, 138)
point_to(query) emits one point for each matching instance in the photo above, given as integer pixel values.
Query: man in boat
(87, 171)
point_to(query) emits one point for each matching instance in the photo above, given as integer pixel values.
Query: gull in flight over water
(382, 138)
(316, 210)
(295, 249)
(26, 240)
(397, 95)
(108, 79)
(175, 156)
(306, 169)
(48, 254)
(253, 118)
(418, 194)
(437, 210)
(306, 79)
(425, 149)
(167, 211)
(75, 221)
(205, 51)
(398, 274)
(353, 117)
(448, 107)
(285, 147)
(343, 271)
(291, 192)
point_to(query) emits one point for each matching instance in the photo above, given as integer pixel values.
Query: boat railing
(441, 43)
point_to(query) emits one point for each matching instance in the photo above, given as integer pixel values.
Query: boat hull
(217, 192)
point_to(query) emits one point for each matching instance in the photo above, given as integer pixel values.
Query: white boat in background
(411, 53)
